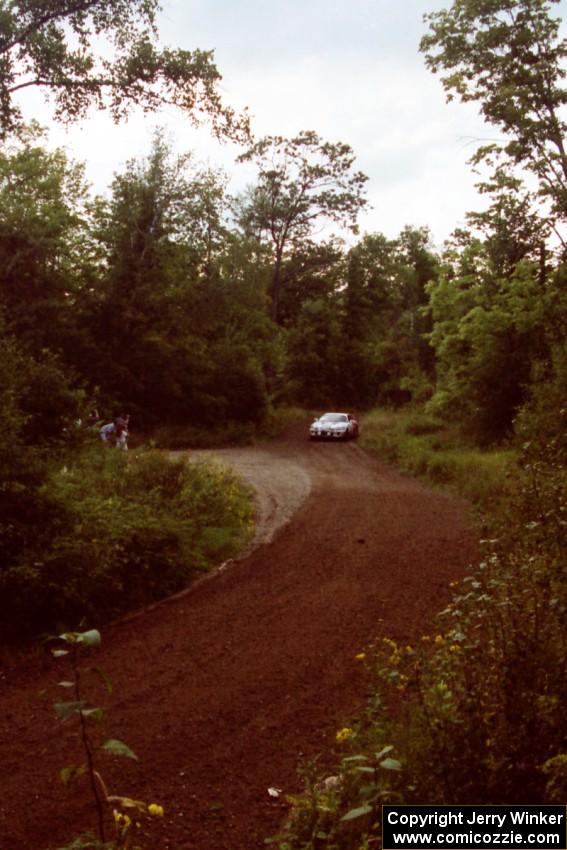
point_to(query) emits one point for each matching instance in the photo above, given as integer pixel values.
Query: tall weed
(427, 447)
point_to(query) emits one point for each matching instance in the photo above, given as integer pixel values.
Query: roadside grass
(125, 529)
(431, 449)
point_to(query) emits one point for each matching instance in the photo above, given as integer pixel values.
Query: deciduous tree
(103, 53)
(43, 240)
(507, 56)
(304, 183)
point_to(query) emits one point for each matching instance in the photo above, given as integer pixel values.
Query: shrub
(418, 423)
(123, 530)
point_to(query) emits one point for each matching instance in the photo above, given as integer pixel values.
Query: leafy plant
(119, 532)
(78, 708)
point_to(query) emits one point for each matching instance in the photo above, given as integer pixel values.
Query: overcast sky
(350, 70)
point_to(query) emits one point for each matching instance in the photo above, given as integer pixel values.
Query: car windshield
(334, 417)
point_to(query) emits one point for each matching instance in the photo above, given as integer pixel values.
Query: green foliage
(43, 242)
(494, 326)
(38, 409)
(371, 309)
(358, 332)
(302, 182)
(123, 531)
(64, 48)
(179, 325)
(487, 332)
(386, 356)
(508, 57)
(50, 405)
(88, 720)
(485, 702)
(423, 445)
(38, 406)
(315, 355)
(542, 422)
(312, 271)
(343, 810)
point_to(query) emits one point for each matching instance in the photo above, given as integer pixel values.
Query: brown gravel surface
(225, 689)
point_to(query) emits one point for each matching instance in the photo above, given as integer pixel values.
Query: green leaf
(66, 684)
(118, 748)
(68, 637)
(357, 813)
(362, 769)
(128, 802)
(58, 653)
(93, 714)
(90, 638)
(105, 678)
(355, 758)
(63, 710)
(383, 752)
(391, 764)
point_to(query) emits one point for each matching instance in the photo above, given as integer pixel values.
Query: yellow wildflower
(155, 810)
(361, 656)
(344, 734)
(439, 639)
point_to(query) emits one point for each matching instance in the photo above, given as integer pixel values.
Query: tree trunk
(276, 287)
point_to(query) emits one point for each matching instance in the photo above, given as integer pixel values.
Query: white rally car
(334, 426)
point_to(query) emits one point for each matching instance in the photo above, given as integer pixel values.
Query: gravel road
(280, 485)
(225, 689)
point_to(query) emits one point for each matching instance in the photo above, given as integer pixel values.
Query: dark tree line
(186, 305)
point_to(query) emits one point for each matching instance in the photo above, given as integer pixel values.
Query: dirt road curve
(222, 691)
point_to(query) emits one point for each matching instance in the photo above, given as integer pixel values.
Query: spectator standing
(121, 430)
